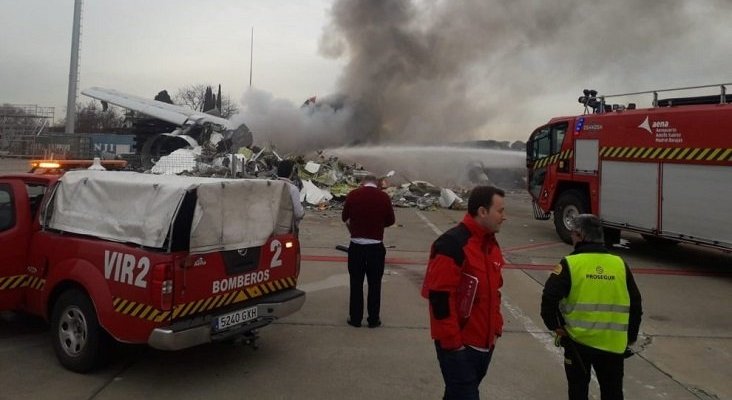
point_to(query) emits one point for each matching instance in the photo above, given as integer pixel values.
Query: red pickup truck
(170, 261)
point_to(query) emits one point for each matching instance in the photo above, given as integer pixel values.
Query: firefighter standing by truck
(593, 304)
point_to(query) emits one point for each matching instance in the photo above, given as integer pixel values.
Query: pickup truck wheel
(570, 204)
(79, 341)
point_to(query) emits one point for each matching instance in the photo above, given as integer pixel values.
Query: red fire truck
(664, 172)
(170, 261)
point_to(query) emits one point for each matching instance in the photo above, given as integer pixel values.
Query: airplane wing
(167, 112)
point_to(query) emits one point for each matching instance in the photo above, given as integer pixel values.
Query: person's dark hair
(482, 196)
(369, 178)
(284, 168)
(589, 227)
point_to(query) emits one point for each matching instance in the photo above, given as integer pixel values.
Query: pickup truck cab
(170, 261)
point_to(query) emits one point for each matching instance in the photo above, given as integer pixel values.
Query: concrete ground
(314, 354)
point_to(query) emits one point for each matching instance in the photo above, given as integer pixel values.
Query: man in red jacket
(462, 284)
(366, 212)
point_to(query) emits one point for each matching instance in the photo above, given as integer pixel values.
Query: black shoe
(375, 324)
(353, 324)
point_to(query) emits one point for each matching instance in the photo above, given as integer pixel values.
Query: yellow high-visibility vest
(597, 309)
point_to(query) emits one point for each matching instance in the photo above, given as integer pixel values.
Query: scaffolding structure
(20, 125)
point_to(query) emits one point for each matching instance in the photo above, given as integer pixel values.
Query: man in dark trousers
(593, 305)
(366, 212)
(462, 284)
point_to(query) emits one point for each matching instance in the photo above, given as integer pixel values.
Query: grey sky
(422, 71)
(141, 47)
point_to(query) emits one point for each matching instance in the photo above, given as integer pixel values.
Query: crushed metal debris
(324, 181)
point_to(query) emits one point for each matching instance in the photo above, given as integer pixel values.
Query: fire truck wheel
(569, 204)
(79, 341)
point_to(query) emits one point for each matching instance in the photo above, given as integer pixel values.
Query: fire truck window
(558, 132)
(7, 211)
(542, 144)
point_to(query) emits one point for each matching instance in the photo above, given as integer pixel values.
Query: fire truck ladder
(601, 107)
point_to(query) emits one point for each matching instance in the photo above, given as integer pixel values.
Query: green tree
(193, 97)
(208, 101)
(164, 97)
(218, 99)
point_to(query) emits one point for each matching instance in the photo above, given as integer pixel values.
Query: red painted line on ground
(403, 261)
(533, 246)
(682, 272)
(636, 271)
(534, 267)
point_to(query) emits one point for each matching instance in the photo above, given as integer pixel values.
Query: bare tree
(191, 96)
(91, 117)
(228, 106)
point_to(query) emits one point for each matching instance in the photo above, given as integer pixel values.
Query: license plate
(235, 318)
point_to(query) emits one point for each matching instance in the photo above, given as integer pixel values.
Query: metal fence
(59, 146)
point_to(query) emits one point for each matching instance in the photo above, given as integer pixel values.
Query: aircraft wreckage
(193, 128)
(207, 145)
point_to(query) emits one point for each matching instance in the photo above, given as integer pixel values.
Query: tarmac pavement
(314, 354)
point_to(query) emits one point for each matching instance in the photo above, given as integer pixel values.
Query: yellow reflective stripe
(240, 296)
(129, 307)
(594, 307)
(692, 154)
(636, 152)
(206, 304)
(145, 312)
(121, 306)
(153, 314)
(137, 309)
(665, 151)
(647, 152)
(197, 306)
(9, 282)
(610, 326)
(713, 154)
(655, 152)
(682, 154)
(702, 154)
(724, 155)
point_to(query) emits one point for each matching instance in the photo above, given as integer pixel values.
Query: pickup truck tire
(80, 343)
(570, 204)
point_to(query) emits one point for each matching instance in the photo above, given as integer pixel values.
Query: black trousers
(579, 359)
(365, 260)
(462, 371)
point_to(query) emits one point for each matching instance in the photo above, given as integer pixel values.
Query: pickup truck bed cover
(140, 208)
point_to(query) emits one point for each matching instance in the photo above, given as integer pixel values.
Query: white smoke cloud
(290, 127)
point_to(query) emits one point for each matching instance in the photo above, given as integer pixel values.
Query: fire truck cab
(664, 172)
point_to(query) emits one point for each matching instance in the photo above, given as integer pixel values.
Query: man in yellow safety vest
(593, 305)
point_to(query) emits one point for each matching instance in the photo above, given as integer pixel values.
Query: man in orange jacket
(462, 284)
